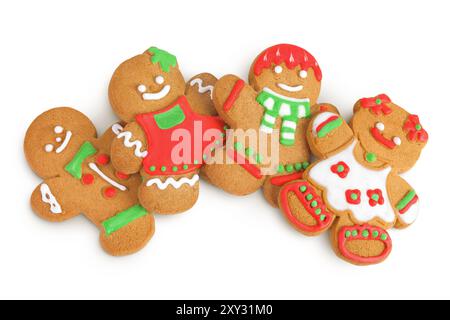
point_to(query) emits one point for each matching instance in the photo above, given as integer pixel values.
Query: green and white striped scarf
(289, 109)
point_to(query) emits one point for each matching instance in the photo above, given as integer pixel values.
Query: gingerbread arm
(404, 200)
(129, 148)
(235, 101)
(327, 132)
(52, 200)
(199, 92)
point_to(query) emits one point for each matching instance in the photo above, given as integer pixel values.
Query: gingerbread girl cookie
(355, 187)
(170, 129)
(284, 87)
(61, 147)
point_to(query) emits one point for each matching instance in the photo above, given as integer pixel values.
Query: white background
(57, 53)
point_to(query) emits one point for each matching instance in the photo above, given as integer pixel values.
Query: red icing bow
(415, 130)
(377, 104)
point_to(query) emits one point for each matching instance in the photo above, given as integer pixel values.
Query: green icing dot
(309, 197)
(314, 204)
(384, 237)
(249, 152)
(371, 157)
(355, 233)
(303, 189)
(340, 168)
(365, 233)
(195, 162)
(185, 167)
(375, 197)
(238, 146)
(378, 101)
(354, 196)
(418, 127)
(174, 169)
(348, 234)
(218, 142)
(318, 211)
(163, 168)
(289, 168)
(152, 168)
(205, 157)
(375, 234)
(280, 169)
(298, 166)
(323, 217)
(226, 127)
(259, 159)
(305, 165)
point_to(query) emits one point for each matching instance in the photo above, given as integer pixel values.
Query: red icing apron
(159, 127)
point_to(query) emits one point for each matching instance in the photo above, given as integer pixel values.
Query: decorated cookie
(61, 147)
(170, 130)
(355, 188)
(283, 90)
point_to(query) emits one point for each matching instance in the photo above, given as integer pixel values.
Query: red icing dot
(110, 192)
(122, 176)
(87, 179)
(102, 159)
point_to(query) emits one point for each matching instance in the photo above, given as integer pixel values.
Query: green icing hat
(164, 58)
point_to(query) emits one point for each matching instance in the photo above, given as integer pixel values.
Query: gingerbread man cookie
(170, 131)
(61, 147)
(284, 87)
(355, 188)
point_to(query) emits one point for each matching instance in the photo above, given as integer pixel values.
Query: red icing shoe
(312, 204)
(365, 234)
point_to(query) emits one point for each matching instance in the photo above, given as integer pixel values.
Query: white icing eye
(159, 79)
(278, 69)
(397, 141)
(58, 129)
(380, 126)
(48, 148)
(303, 74)
(58, 139)
(142, 88)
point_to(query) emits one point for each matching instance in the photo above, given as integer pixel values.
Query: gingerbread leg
(127, 232)
(304, 207)
(171, 194)
(360, 244)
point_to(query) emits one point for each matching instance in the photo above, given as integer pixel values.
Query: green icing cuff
(404, 202)
(85, 151)
(330, 127)
(124, 218)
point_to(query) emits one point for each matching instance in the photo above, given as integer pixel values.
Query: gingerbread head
(145, 83)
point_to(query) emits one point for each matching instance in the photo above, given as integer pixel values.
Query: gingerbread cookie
(355, 188)
(170, 129)
(284, 87)
(61, 147)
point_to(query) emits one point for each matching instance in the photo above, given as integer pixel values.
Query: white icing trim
(117, 129)
(270, 91)
(48, 197)
(157, 95)
(201, 87)
(127, 135)
(94, 167)
(288, 88)
(321, 118)
(172, 182)
(65, 143)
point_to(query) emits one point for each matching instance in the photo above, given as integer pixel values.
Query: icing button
(102, 159)
(87, 179)
(122, 176)
(110, 192)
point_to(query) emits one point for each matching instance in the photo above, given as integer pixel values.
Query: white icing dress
(351, 186)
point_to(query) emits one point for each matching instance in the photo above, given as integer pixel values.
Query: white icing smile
(59, 130)
(288, 88)
(151, 96)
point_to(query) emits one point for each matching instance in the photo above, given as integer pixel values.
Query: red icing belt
(244, 163)
(229, 103)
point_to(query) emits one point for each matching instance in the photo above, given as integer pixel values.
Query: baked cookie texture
(61, 147)
(284, 84)
(355, 188)
(149, 92)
